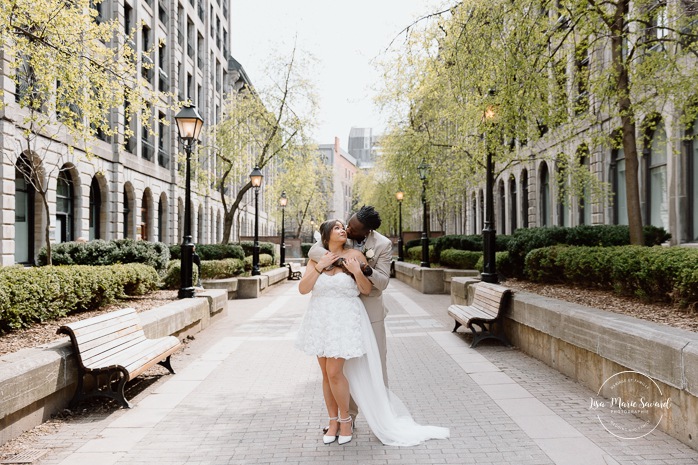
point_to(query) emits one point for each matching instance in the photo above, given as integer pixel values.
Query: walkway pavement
(244, 395)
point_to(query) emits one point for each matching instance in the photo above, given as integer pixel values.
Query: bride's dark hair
(326, 230)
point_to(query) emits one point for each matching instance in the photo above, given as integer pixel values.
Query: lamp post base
(186, 293)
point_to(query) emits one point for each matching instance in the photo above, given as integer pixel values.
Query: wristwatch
(367, 271)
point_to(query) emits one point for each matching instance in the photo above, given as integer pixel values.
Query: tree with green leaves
(306, 179)
(546, 72)
(72, 77)
(262, 127)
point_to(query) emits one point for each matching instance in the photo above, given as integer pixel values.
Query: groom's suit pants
(376, 313)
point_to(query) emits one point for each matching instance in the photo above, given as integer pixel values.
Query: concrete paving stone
(248, 397)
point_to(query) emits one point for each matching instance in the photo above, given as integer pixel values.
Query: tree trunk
(627, 116)
(47, 229)
(229, 213)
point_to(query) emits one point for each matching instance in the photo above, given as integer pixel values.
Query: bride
(337, 330)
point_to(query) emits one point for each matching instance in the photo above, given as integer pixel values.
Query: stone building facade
(131, 188)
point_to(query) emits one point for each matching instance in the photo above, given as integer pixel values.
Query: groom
(378, 249)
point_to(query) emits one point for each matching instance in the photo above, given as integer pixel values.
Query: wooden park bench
(294, 270)
(485, 311)
(112, 349)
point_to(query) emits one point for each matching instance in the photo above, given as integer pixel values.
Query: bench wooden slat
(115, 345)
(93, 331)
(485, 311)
(98, 355)
(100, 318)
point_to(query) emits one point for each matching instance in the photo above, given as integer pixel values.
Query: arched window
(544, 196)
(162, 219)
(620, 198)
(693, 186)
(127, 214)
(64, 208)
(562, 199)
(501, 224)
(585, 201)
(95, 209)
(145, 217)
(24, 213)
(481, 211)
(473, 215)
(657, 179)
(524, 199)
(200, 226)
(513, 204)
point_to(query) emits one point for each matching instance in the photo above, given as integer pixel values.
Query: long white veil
(385, 413)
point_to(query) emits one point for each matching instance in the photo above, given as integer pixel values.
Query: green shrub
(415, 253)
(305, 248)
(100, 252)
(210, 251)
(502, 264)
(219, 269)
(525, 240)
(459, 259)
(264, 248)
(172, 280)
(29, 295)
(471, 242)
(665, 274)
(264, 260)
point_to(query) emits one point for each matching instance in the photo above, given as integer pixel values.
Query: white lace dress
(336, 325)
(331, 326)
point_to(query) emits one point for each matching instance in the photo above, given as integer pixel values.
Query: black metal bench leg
(166, 364)
(77, 397)
(457, 325)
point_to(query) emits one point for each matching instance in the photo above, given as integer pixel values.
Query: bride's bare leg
(330, 401)
(339, 386)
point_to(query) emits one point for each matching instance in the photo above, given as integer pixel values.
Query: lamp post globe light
(256, 181)
(189, 124)
(400, 252)
(423, 169)
(489, 234)
(283, 200)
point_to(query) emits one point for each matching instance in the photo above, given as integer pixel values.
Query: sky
(344, 36)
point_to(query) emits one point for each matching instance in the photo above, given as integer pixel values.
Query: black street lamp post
(400, 251)
(489, 233)
(189, 124)
(282, 203)
(423, 169)
(256, 180)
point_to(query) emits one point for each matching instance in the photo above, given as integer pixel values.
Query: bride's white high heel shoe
(341, 440)
(330, 439)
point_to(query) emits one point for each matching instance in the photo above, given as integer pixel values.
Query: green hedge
(30, 295)
(100, 252)
(171, 280)
(665, 274)
(264, 260)
(219, 269)
(525, 240)
(459, 259)
(210, 251)
(305, 248)
(502, 264)
(471, 242)
(264, 248)
(415, 253)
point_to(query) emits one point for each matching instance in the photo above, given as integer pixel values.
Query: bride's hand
(352, 265)
(327, 259)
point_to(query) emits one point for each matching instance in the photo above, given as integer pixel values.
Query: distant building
(364, 146)
(344, 167)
